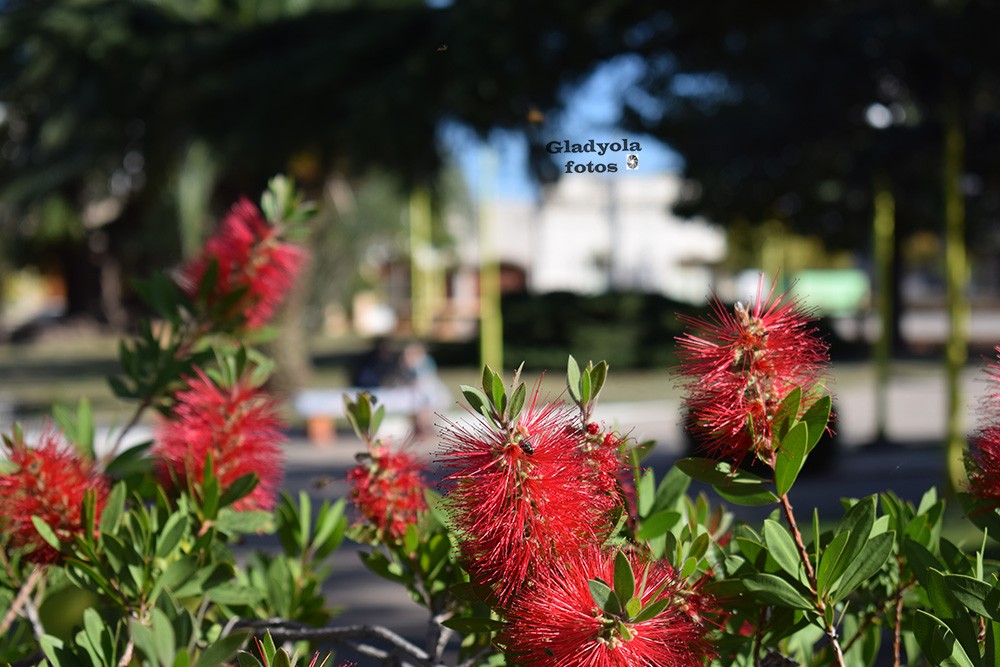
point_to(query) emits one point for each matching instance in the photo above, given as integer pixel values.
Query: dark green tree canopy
(790, 111)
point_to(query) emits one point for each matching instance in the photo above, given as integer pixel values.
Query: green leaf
(646, 492)
(54, 651)
(938, 642)
(233, 522)
(144, 641)
(377, 418)
(499, 394)
(470, 625)
(657, 524)
(220, 651)
(828, 561)
(624, 579)
(177, 574)
(240, 488)
(774, 590)
(788, 410)
(633, 607)
(130, 461)
(517, 402)
(781, 547)
(46, 533)
(873, 556)
(164, 638)
(604, 597)
(735, 485)
(114, 507)
(585, 387)
(234, 594)
(598, 375)
(651, 610)
(858, 522)
(573, 378)
(978, 596)
(476, 399)
(171, 533)
(791, 457)
(981, 513)
(816, 419)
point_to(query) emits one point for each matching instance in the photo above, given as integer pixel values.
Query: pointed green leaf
(170, 534)
(978, 596)
(517, 402)
(828, 561)
(858, 522)
(788, 410)
(598, 375)
(473, 625)
(781, 547)
(873, 556)
(476, 399)
(573, 378)
(220, 651)
(651, 610)
(791, 456)
(816, 419)
(114, 507)
(604, 597)
(240, 488)
(499, 394)
(624, 579)
(774, 590)
(585, 387)
(657, 524)
(46, 533)
(938, 642)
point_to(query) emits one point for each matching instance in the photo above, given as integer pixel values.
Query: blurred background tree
(126, 125)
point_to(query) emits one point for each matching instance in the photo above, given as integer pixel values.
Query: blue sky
(591, 113)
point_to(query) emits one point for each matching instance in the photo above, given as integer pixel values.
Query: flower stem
(831, 631)
(23, 598)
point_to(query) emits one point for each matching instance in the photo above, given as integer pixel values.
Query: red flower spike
(249, 258)
(739, 366)
(238, 425)
(982, 462)
(48, 481)
(520, 504)
(388, 490)
(556, 623)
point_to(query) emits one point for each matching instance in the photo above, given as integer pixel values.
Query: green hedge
(628, 329)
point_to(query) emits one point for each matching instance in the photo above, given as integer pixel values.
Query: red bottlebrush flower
(48, 481)
(388, 490)
(738, 367)
(520, 503)
(238, 425)
(250, 260)
(982, 461)
(557, 623)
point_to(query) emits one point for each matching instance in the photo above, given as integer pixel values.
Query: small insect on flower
(520, 500)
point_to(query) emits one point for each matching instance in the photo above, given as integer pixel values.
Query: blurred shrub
(628, 329)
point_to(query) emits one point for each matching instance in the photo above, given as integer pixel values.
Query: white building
(591, 233)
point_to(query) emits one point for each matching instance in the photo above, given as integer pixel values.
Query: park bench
(321, 407)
